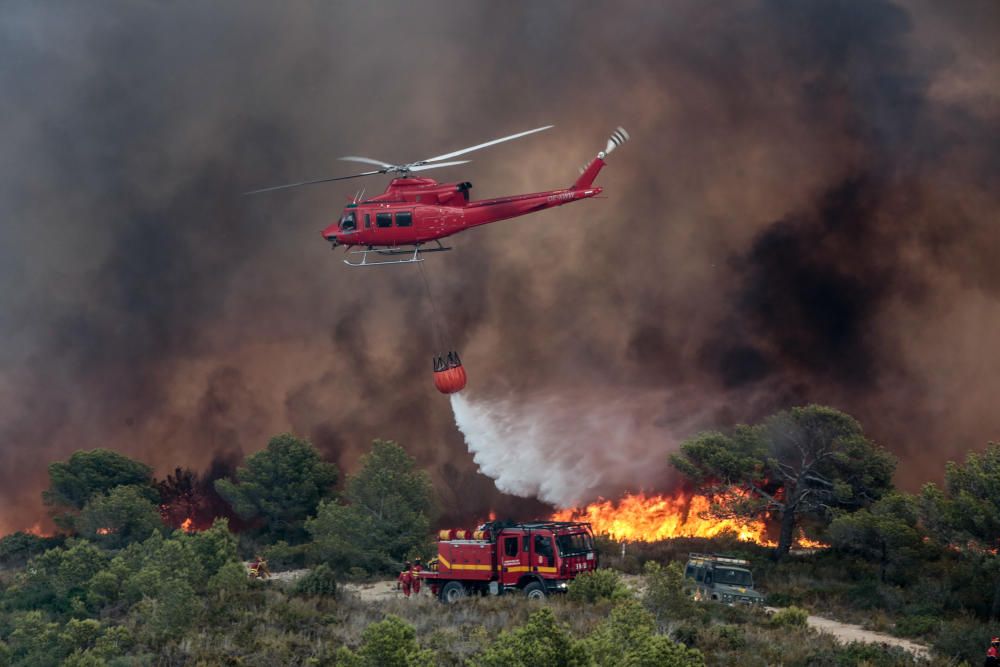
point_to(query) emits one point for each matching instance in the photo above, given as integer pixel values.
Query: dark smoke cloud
(807, 213)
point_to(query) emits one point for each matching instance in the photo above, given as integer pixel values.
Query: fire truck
(534, 559)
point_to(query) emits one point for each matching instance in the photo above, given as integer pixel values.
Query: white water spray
(567, 449)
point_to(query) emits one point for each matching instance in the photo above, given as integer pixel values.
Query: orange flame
(638, 517)
(187, 525)
(104, 531)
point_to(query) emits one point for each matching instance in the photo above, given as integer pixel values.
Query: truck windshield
(733, 576)
(574, 543)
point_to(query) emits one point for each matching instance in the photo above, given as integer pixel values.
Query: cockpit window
(574, 543)
(347, 223)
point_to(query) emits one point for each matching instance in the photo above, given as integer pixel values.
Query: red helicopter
(415, 211)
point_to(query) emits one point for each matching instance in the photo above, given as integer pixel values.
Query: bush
(666, 593)
(281, 556)
(790, 616)
(628, 637)
(390, 643)
(597, 585)
(320, 581)
(540, 642)
(916, 626)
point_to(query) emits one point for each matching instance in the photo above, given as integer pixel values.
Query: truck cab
(722, 578)
(498, 558)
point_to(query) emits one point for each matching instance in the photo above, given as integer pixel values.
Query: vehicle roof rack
(716, 558)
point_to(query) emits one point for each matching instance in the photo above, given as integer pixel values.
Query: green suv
(722, 578)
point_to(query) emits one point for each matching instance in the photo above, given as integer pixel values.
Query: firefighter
(258, 568)
(405, 579)
(415, 575)
(993, 653)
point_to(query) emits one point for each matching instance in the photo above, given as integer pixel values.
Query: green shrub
(540, 642)
(963, 639)
(730, 636)
(916, 626)
(597, 585)
(390, 643)
(790, 616)
(688, 634)
(666, 592)
(628, 637)
(281, 556)
(320, 581)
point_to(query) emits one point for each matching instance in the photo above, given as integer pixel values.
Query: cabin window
(404, 219)
(701, 574)
(383, 219)
(368, 221)
(510, 547)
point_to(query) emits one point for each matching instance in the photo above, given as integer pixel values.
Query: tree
(628, 637)
(388, 516)
(86, 474)
(282, 485)
(802, 462)
(886, 533)
(125, 514)
(540, 642)
(391, 642)
(967, 512)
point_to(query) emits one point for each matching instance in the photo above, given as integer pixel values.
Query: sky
(807, 212)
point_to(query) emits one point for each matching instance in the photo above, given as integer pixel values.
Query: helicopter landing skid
(413, 256)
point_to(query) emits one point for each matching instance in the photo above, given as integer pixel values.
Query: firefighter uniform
(405, 580)
(993, 653)
(415, 576)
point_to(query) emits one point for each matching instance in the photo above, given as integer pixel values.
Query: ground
(381, 590)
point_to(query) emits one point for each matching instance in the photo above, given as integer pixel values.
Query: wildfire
(188, 525)
(104, 531)
(638, 517)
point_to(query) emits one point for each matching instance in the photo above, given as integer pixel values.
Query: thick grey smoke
(807, 212)
(567, 447)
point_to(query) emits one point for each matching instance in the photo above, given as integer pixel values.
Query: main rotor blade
(319, 180)
(425, 167)
(366, 160)
(488, 143)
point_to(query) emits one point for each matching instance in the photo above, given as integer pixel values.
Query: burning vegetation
(647, 518)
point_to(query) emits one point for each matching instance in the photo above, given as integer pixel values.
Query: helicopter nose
(330, 234)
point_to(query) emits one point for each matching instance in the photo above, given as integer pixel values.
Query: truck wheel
(453, 591)
(534, 591)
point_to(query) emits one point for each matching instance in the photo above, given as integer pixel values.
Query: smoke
(566, 447)
(806, 213)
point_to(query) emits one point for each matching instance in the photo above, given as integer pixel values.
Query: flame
(493, 515)
(188, 525)
(104, 531)
(648, 518)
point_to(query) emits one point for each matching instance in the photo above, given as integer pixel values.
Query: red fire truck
(499, 557)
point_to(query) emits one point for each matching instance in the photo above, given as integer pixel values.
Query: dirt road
(845, 632)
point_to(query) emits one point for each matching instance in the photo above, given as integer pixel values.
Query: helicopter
(396, 226)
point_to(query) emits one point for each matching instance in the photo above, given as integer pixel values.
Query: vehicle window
(404, 219)
(701, 574)
(575, 543)
(347, 222)
(383, 219)
(708, 577)
(510, 546)
(733, 576)
(368, 221)
(689, 572)
(543, 545)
